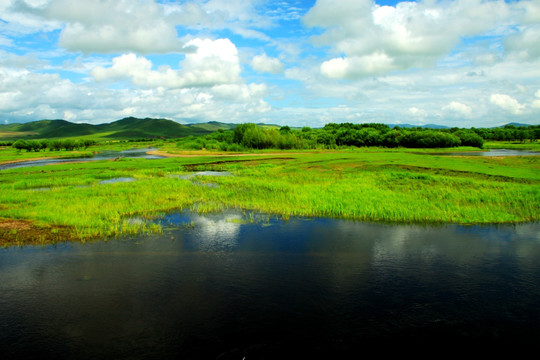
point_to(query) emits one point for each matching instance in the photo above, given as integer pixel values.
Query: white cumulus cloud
(356, 66)
(102, 26)
(459, 108)
(507, 103)
(214, 62)
(263, 63)
(525, 43)
(414, 111)
(380, 39)
(536, 103)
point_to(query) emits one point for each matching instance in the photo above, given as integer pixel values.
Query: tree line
(52, 145)
(253, 136)
(510, 133)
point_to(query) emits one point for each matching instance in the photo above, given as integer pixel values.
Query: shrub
(469, 138)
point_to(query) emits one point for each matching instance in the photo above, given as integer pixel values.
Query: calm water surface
(218, 287)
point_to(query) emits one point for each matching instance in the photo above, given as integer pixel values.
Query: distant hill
(213, 126)
(516, 125)
(124, 129)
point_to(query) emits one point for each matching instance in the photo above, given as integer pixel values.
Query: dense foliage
(56, 145)
(331, 136)
(253, 136)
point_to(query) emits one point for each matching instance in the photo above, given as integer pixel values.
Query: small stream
(493, 152)
(105, 155)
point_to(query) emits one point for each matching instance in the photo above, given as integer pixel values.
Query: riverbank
(205, 153)
(10, 156)
(70, 202)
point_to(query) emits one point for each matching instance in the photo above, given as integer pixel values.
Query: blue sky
(458, 63)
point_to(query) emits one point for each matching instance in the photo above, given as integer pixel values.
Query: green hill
(150, 128)
(213, 126)
(124, 129)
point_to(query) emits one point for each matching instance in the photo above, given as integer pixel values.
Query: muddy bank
(15, 232)
(104, 155)
(188, 154)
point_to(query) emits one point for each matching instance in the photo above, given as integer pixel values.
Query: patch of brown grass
(18, 232)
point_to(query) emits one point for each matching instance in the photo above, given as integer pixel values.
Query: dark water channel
(229, 286)
(105, 155)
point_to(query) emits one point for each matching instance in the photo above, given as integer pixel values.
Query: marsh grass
(377, 185)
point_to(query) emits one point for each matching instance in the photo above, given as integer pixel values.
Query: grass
(524, 145)
(67, 201)
(9, 154)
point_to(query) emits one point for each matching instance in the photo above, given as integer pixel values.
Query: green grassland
(68, 202)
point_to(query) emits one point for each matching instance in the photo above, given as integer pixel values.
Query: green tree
(469, 138)
(68, 144)
(326, 138)
(55, 145)
(33, 145)
(392, 138)
(87, 143)
(21, 145)
(285, 130)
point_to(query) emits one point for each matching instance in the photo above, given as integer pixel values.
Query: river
(105, 155)
(235, 286)
(493, 152)
(143, 153)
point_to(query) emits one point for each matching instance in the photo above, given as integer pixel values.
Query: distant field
(525, 145)
(16, 134)
(63, 202)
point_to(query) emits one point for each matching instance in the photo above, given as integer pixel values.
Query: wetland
(285, 254)
(85, 200)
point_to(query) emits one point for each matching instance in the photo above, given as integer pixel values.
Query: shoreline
(54, 157)
(26, 232)
(27, 160)
(192, 154)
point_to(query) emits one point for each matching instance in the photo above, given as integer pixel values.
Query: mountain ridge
(124, 129)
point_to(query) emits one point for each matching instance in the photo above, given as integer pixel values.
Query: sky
(459, 63)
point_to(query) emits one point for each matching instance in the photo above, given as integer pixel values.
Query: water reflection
(196, 175)
(117, 180)
(202, 174)
(210, 233)
(231, 286)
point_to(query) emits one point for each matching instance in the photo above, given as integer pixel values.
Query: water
(493, 152)
(117, 180)
(142, 153)
(196, 175)
(203, 174)
(105, 155)
(227, 286)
